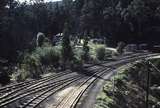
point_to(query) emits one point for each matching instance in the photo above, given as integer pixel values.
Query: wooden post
(148, 85)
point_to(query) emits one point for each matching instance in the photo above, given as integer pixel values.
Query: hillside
(129, 89)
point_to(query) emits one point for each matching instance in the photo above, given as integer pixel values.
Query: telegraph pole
(148, 85)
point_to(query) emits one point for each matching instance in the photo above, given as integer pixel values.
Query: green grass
(105, 98)
(130, 84)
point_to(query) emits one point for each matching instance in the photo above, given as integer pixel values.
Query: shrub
(76, 62)
(31, 67)
(78, 52)
(48, 55)
(94, 60)
(22, 73)
(34, 66)
(47, 43)
(100, 53)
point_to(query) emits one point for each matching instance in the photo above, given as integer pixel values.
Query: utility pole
(148, 84)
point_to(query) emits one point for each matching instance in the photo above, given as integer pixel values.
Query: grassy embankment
(127, 89)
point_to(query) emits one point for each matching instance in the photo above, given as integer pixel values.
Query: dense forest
(65, 50)
(131, 21)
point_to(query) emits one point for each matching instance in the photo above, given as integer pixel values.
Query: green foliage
(117, 20)
(21, 22)
(85, 55)
(103, 99)
(78, 52)
(77, 62)
(23, 73)
(129, 85)
(48, 55)
(100, 53)
(67, 53)
(32, 60)
(31, 66)
(47, 43)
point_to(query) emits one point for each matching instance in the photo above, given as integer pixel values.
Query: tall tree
(86, 18)
(6, 22)
(67, 53)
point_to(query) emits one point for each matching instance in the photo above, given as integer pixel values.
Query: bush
(47, 43)
(100, 53)
(33, 61)
(30, 67)
(78, 51)
(48, 55)
(22, 73)
(94, 60)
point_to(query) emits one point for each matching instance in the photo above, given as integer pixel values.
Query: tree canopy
(131, 21)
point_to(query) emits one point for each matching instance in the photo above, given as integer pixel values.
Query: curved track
(32, 94)
(72, 99)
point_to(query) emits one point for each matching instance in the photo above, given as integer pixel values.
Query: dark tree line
(20, 22)
(131, 21)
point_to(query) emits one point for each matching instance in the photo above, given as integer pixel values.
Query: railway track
(35, 92)
(31, 90)
(133, 55)
(33, 103)
(29, 83)
(38, 88)
(40, 84)
(22, 85)
(123, 58)
(72, 98)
